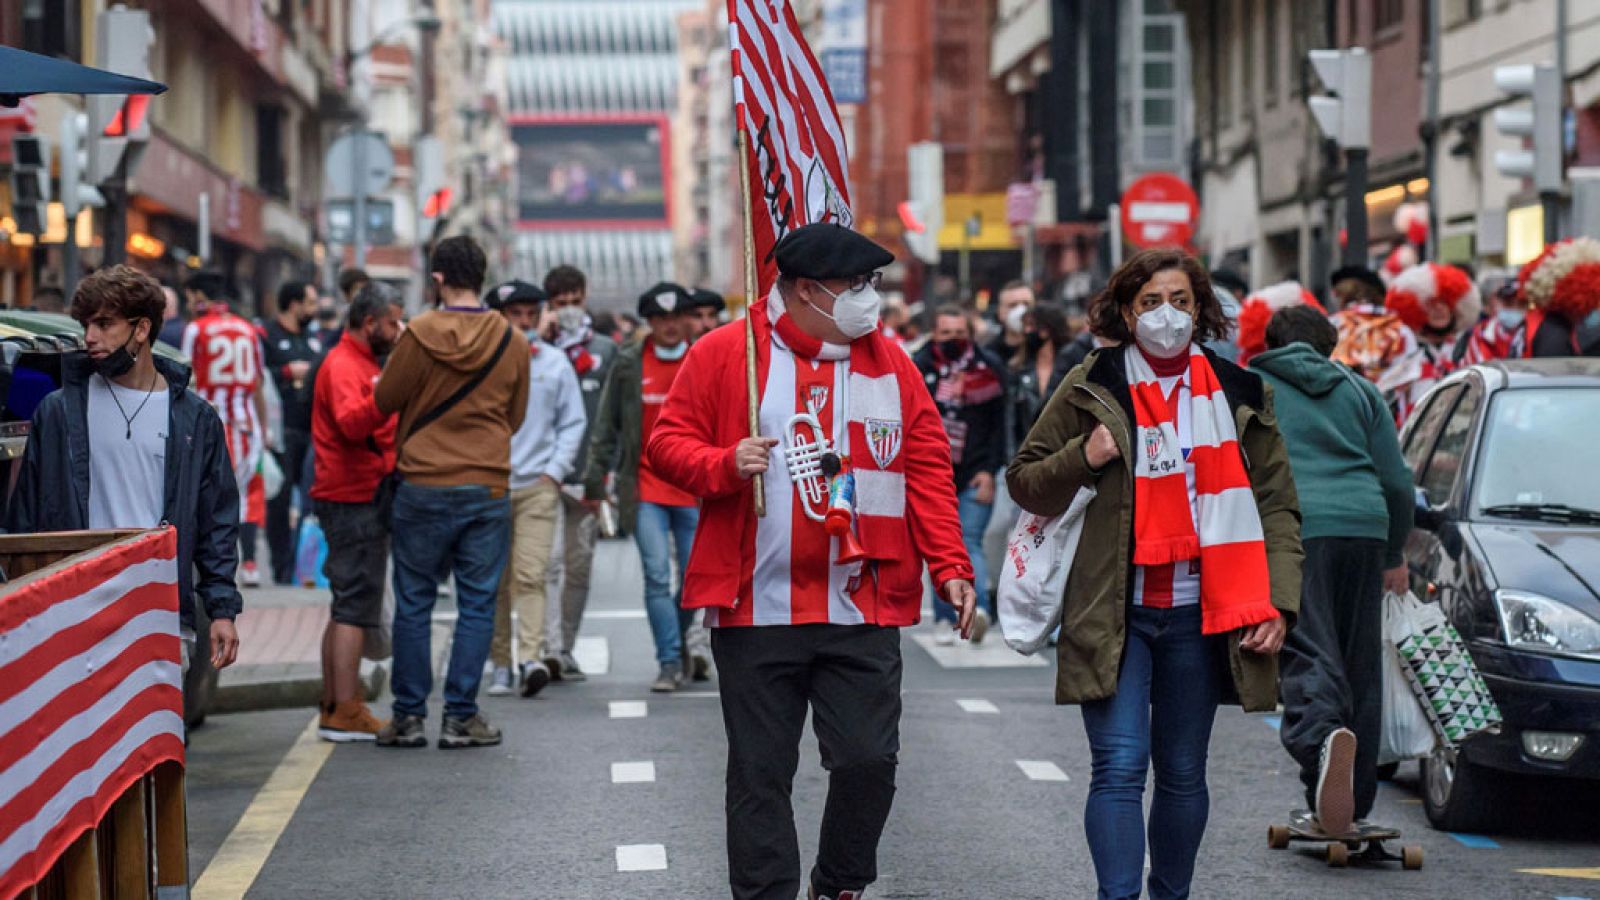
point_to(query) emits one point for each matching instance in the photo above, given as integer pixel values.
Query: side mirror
(1424, 516)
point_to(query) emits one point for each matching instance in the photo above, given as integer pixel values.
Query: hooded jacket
(1348, 472)
(471, 443)
(200, 497)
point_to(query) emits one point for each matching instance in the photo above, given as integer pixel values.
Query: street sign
(1022, 203)
(1158, 210)
(380, 221)
(355, 159)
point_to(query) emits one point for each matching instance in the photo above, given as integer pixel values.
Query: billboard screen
(591, 172)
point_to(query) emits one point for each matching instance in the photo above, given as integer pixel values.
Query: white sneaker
(500, 682)
(980, 625)
(942, 635)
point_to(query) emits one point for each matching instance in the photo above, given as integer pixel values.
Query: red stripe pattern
(797, 156)
(90, 696)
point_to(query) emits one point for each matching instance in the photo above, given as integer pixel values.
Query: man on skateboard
(802, 616)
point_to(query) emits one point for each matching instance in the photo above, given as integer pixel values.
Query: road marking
(593, 655)
(976, 705)
(1475, 841)
(697, 695)
(633, 772)
(1273, 722)
(238, 862)
(1587, 874)
(991, 654)
(641, 858)
(629, 709)
(614, 614)
(1041, 770)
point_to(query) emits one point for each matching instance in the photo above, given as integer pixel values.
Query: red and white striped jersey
(225, 352)
(1173, 584)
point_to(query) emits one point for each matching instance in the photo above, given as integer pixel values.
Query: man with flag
(803, 616)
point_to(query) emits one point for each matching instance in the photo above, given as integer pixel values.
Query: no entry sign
(1159, 210)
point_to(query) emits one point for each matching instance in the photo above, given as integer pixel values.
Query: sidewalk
(280, 653)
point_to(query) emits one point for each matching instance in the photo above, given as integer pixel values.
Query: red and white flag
(797, 156)
(91, 695)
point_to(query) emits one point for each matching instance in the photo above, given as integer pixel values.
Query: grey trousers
(571, 560)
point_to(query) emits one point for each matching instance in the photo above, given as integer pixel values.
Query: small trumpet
(808, 458)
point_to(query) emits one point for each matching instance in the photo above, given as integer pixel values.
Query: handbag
(1033, 577)
(1441, 672)
(1407, 732)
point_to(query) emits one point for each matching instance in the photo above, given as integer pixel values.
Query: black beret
(825, 251)
(664, 298)
(514, 292)
(1358, 273)
(702, 298)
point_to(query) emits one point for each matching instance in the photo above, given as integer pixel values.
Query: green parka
(616, 434)
(1051, 466)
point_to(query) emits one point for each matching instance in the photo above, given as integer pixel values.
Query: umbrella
(23, 73)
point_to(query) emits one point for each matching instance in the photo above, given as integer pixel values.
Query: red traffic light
(130, 116)
(438, 203)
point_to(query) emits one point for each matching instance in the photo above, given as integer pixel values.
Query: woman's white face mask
(855, 311)
(1164, 331)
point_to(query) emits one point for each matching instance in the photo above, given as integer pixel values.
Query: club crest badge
(1152, 443)
(816, 398)
(883, 439)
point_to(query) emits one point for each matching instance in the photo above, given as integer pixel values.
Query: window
(1425, 427)
(1271, 43)
(1450, 454)
(271, 171)
(1158, 86)
(1527, 428)
(1387, 14)
(53, 28)
(1247, 59)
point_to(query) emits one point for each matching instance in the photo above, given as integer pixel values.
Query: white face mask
(1016, 317)
(671, 354)
(855, 312)
(1510, 319)
(1164, 331)
(571, 318)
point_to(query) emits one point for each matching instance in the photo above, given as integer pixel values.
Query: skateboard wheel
(1338, 856)
(1277, 836)
(1411, 857)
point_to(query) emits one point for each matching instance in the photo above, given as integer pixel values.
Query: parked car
(1507, 541)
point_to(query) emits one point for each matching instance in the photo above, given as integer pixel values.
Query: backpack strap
(449, 403)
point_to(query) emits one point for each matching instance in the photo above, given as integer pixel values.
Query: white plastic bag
(1407, 733)
(271, 475)
(1033, 578)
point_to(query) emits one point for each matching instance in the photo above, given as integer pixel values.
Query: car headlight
(1536, 622)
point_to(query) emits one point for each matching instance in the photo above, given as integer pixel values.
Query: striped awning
(589, 27)
(591, 85)
(619, 264)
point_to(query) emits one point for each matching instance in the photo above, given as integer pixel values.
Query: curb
(287, 687)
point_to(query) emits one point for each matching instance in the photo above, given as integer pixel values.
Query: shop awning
(23, 73)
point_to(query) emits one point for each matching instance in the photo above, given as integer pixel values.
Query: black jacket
(201, 497)
(986, 449)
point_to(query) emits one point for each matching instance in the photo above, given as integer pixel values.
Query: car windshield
(1537, 456)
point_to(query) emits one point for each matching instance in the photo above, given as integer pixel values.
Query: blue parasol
(23, 73)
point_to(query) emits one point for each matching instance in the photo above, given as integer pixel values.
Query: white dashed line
(1041, 770)
(976, 705)
(641, 858)
(697, 695)
(614, 614)
(593, 655)
(633, 772)
(629, 709)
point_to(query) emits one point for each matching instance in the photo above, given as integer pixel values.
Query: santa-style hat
(1414, 293)
(1399, 259)
(1565, 278)
(1257, 311)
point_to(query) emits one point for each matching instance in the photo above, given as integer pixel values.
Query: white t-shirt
(127, 475)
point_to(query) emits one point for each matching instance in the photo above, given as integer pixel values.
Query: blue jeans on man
(437, 531)
(974, 519)
(1162, 712)
(657, 526)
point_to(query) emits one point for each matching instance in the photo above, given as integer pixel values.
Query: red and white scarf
(1235, 591)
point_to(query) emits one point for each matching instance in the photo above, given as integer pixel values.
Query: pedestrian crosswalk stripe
(641, 858)
(614, 614)
(696, 695)
(1041, 770)
(991, 654)
(629, 709)
(976, 705)
(593, 655)
(633, 772)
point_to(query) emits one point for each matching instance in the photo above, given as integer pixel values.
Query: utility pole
(1345, 114)
(1430, 133)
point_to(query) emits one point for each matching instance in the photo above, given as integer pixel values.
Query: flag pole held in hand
(757, 482)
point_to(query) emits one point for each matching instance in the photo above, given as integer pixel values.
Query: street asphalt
(992, 782)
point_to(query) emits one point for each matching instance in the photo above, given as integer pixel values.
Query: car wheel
(1458, 795)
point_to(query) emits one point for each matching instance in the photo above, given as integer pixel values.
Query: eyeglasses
(861, 281)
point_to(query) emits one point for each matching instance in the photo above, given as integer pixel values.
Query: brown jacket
(471, 444)
(1049, 469)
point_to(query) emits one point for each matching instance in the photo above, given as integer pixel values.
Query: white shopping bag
(1033, 577)
(1407, 732)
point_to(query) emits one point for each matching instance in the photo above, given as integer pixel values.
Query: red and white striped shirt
(225, 352)
(1173, 584)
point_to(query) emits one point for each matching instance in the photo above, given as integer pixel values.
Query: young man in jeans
(354, 453)
(459, 380)
(542, 453)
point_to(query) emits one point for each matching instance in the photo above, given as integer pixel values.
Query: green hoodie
(1343, 449)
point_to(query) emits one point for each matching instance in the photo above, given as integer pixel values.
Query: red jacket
(353, 441)
(692, 445)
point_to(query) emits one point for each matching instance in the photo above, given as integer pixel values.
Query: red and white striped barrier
(91, 695)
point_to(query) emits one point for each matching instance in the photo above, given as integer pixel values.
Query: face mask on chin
(118, 362)
(1511, 319)
(1164, 332)
(672, 353)
(855, 312)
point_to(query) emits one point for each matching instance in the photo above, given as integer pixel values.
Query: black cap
(514, 292)
(1359, 273)
(700, 298)
(824, 251)
(664, 298)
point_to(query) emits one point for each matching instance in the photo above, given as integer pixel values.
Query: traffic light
(30, 182)
(437, 204)
(119, 126)
(75, 192)
(1540, 124)
(925, 206)
(1345, 113)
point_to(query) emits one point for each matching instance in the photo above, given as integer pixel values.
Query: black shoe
(473, 732)
(534, 677)
(553, 663)
(669, 679)
(699, 667)
(403, 731)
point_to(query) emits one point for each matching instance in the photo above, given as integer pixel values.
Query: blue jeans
(974, 519)
(1166, 701)
(657, 525)
(438, 531)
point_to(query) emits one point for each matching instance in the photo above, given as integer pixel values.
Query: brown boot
(349, 721)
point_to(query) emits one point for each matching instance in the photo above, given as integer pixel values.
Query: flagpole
(758, 483)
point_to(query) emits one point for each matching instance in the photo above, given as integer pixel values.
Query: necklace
(138, 409)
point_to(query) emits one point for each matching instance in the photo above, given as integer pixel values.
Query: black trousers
(1332, 661)
(849, 677)
(280, 533)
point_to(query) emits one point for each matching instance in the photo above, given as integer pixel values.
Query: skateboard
(1363, 844)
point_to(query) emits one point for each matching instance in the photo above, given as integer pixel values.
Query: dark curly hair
(122, 291)
(1106, 313)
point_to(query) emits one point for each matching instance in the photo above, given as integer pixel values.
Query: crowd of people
(1247, 501)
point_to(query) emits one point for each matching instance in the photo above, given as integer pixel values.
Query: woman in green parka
(1178, 602)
